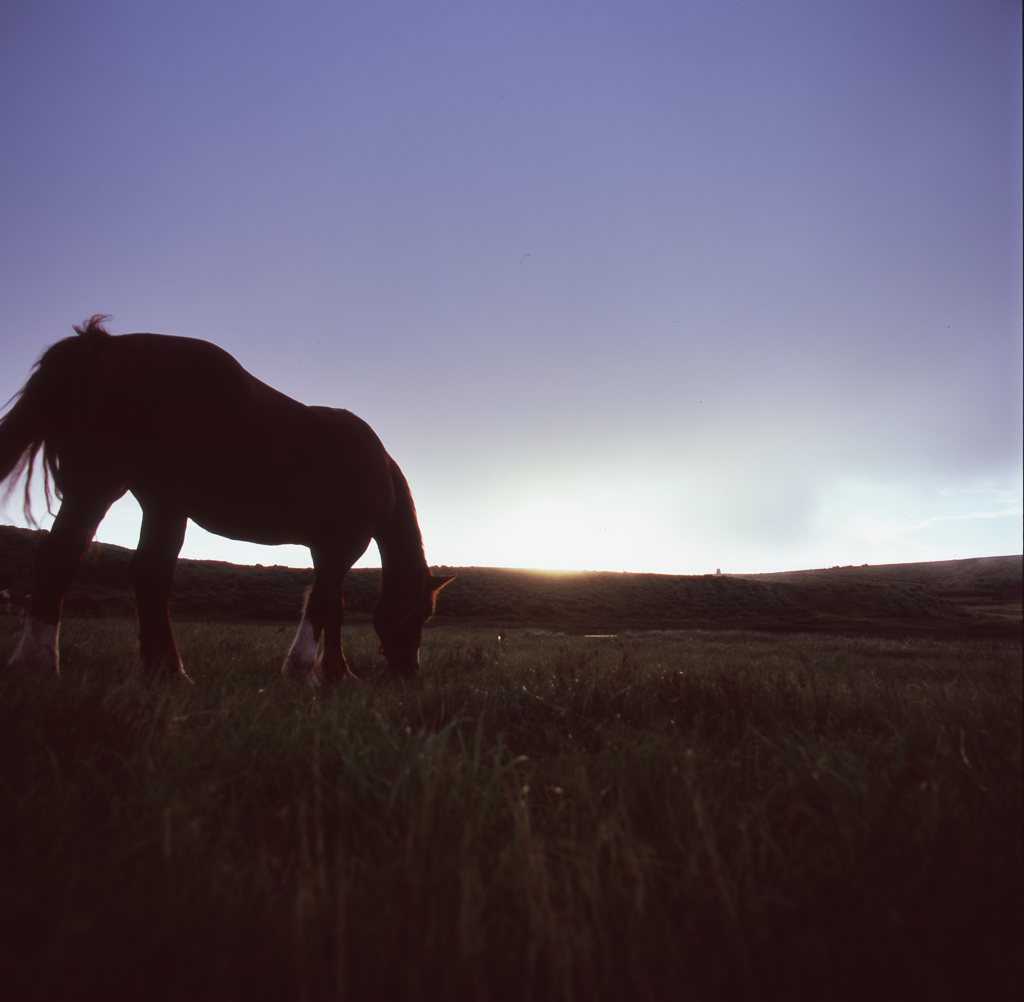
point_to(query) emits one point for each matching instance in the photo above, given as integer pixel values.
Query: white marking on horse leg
(37, 649)
(303, 647)
(300, 665)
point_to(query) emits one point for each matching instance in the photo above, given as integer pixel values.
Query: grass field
(648, 816)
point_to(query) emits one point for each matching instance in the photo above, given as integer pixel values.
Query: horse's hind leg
(57, 561)
(161, 537)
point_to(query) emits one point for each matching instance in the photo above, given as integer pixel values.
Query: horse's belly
(250, 531)
(274, 513)
(253, 514)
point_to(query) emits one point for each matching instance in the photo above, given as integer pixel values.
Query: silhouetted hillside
(975, 597)
(961, 597)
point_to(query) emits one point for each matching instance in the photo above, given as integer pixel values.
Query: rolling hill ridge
(979, 597)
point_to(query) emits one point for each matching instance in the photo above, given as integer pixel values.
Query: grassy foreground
(656, 816)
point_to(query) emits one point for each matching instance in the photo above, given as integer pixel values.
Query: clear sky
(651, 286)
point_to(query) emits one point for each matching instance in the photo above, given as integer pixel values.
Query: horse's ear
(437, 583)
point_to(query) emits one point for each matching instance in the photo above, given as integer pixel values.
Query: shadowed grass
(652, 816)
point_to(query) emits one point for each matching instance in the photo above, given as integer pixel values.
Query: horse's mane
(94, 325)
(405, 527)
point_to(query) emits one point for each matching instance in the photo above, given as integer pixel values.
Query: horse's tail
(45, 405)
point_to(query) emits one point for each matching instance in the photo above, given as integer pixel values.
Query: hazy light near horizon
(652, 287)
(854, 523)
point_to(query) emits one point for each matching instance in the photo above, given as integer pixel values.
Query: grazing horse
(180, 424)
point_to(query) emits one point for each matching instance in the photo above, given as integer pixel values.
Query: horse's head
(401, 630)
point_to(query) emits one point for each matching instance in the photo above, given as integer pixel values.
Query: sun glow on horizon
(576, 524)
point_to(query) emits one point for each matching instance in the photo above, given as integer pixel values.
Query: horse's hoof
(336, 674)
(165, 667)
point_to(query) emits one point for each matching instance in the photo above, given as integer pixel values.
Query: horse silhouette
(183, 427)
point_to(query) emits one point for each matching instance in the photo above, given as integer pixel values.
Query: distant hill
(979, 597)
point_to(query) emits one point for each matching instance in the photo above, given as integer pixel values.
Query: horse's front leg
(321, 618)
(152, 576)
(57, 561)
(300, 663)
(334, 665)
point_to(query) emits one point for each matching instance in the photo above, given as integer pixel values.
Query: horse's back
(158, 374)
(179, 420)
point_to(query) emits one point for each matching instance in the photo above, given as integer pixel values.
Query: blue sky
(629, 286)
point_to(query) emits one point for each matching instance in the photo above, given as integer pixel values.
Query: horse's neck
(404, 566)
